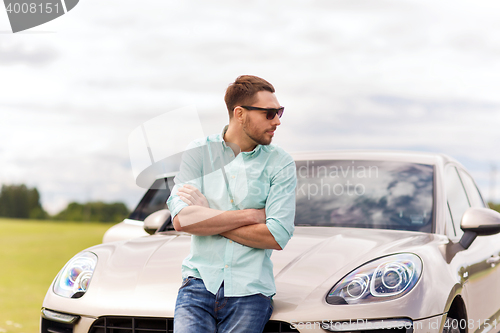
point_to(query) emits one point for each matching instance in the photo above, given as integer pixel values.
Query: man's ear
(238, 114)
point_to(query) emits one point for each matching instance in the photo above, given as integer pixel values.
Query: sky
(352, 74)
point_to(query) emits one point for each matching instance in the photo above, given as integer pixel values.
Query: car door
(476, 275)
(492, 264)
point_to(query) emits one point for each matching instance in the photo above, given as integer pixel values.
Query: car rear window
(365, 194)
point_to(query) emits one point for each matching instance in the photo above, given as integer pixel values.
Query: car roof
(375, 155)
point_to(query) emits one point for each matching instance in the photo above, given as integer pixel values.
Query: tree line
(495, 206)
(19, 201)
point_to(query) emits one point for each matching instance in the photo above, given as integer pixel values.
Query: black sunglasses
(271, 113)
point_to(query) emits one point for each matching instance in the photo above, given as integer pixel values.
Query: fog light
(59, 317)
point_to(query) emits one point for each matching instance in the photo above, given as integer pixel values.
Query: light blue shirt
(263, 178)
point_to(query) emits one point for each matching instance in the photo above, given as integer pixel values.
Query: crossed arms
(246, 226)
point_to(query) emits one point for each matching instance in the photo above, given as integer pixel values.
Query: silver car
(394, 242)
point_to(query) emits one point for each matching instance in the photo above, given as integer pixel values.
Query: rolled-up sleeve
(174, 203)
(191, 171)
(280, 204)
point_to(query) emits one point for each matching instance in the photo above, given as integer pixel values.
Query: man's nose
(276, 120)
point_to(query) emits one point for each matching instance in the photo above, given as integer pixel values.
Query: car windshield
(355, 194)
(365, 194)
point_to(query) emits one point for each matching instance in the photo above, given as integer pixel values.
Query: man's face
(255, 125)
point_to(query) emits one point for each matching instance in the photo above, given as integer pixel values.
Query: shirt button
(230, 241)
(231, 200)
(233, 177)
(226, 266)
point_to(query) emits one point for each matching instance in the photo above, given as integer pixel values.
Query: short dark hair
(243, 90)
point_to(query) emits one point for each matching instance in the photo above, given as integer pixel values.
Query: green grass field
(31, 254)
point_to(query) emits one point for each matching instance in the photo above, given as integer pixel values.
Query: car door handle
(493, 260)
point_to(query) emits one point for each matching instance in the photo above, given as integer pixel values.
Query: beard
(258, 135)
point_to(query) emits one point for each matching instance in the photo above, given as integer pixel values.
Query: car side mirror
(155, 220)
(478, 221)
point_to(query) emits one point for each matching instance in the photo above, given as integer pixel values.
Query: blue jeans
(197, 310)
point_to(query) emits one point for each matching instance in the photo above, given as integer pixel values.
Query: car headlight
(74, 279)
(379, 280)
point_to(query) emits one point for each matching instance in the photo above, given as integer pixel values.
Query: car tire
(451, 325)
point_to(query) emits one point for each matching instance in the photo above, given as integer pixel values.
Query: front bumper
(57, 322)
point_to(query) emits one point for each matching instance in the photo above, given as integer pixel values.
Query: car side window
(154, 199)
(472, 191)
(458, 201)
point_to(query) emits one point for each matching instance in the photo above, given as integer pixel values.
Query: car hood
(141, 277)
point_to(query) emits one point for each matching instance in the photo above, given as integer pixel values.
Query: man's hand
(192, 196)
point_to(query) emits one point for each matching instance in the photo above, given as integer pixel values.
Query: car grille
(161, 325)
(132, 325)
(278, 327)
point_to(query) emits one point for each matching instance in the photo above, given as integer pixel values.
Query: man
(235, 193)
